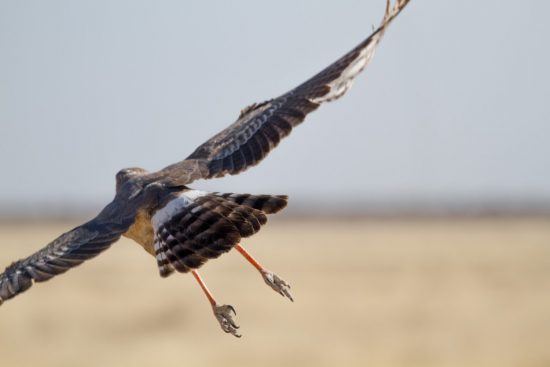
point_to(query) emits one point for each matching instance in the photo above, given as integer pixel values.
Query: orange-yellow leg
(222, 313)
(271, 279)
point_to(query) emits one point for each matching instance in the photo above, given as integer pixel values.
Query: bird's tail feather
(269, 204)
(212, 225)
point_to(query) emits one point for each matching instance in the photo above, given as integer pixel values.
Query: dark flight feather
(260, 127)
(68, 250)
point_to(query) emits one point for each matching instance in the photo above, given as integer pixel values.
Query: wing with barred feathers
(260, 127)
(68, 250)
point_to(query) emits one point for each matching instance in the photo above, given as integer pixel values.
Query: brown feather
(210, 226)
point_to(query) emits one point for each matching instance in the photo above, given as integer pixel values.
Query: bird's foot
(224, 317)
(277, 284)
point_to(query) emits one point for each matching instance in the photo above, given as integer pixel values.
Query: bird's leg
(271, 279)
(222, 313)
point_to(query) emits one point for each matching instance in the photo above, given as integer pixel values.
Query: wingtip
(387, 12)
(391, 12)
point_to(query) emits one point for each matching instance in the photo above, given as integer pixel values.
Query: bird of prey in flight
(182, 227)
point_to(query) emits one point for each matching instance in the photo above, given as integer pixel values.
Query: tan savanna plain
(421, 292)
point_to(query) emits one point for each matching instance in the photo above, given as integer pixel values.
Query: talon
(277, 284)
(225, 319)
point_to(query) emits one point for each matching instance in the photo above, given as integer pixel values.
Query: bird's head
(127, 174)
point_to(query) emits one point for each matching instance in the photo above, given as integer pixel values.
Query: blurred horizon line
(318, 209)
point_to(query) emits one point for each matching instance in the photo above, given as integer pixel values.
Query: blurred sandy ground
(421, 292)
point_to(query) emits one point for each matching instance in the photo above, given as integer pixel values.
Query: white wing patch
(340, 86)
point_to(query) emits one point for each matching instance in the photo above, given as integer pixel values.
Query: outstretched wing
(260, 127)
(69, 250)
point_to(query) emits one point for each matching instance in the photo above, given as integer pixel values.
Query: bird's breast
(142, 231)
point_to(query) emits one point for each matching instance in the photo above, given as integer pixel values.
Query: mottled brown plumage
(182, 227)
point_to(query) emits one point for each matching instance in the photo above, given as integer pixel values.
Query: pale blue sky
(453, 107)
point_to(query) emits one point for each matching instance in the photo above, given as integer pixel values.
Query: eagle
(182, 227)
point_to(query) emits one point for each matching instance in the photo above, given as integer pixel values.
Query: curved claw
(223, 315)
(277, 284)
